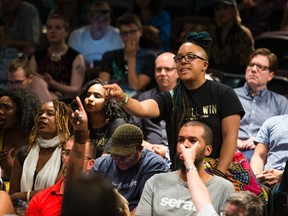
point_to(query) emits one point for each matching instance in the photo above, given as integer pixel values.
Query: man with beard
(168, 193)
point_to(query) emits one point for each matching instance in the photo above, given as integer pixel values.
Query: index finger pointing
(79, 103)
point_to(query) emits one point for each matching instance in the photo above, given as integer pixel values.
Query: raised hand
(115, 92)
(79, 117)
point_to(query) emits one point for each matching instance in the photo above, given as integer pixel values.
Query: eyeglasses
(126, 33)
(188, 58)
(66, 153)
(166, 69)
(125, 159)
(259, 67)
(15, 82)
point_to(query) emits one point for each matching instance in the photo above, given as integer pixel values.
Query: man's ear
(208, 150)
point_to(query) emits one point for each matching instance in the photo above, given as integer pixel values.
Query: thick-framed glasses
(15, 82)
(259, 67)
(188, 57)
(126, 159)
(131, 32)
(166, 69)
(66, 153)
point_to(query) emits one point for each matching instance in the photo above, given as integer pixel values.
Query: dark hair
(21, 61)
(207, 135)
(28, 105)
(272, 58)
(155, 6)
(111, 108)
(60, 17)
(128, 19)
(201, 39)
(90, 195)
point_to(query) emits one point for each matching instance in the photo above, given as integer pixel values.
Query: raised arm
(81, 134)
(144, 109)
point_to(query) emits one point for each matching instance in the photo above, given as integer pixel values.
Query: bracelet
(125, 100)
(81, 137)
(28, 196)
(190, 168)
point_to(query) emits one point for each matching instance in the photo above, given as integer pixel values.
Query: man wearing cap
(95, 39)
(128, 167)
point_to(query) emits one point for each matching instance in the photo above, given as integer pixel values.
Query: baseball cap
(125, 139)
(228, 2)
(99, 7)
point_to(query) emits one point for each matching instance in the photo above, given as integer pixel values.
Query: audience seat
(274, 41)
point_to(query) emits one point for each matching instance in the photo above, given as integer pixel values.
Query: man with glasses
(131, 67)
(48, 202)
(93, 40)
(129, 166)
(166, 78)
(20, 76)
(258, 102)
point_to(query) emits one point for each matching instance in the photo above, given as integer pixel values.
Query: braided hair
(180, 99)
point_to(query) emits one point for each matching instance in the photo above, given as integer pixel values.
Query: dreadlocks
(62, 119)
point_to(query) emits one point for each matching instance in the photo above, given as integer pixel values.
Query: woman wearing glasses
(38, 165)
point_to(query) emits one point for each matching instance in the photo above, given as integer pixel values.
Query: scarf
(48, 174)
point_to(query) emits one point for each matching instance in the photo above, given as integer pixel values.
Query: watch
(190, 168)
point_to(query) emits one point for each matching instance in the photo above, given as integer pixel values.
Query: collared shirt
(47, 202)
(258, 108)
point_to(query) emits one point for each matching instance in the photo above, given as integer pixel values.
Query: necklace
(56, 56)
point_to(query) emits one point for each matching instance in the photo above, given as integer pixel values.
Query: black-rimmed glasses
(126, 159)
(188, 57)
(259, 67)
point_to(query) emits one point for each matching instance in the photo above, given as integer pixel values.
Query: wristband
(81, 137)
(28, 196)
(190, 168)
(125, 100)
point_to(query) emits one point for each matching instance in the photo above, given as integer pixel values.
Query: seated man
(93, 40)
(168, 193)
(132, 67)
(54, 195)
(271, 152)
(128, 167)
(21, 76)
(166, 78)
(258, 102)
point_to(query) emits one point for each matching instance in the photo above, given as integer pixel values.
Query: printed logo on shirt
(178, 203)
(120, 186)
(194, 114)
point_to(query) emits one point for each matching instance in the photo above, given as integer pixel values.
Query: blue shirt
(130, 183)
(274, 134)
(258, 108)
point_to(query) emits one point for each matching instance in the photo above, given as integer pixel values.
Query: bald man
(166, 78)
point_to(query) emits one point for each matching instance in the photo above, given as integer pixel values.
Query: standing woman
(61, 67)
(18, 108)
(104, 114)
(38, 166)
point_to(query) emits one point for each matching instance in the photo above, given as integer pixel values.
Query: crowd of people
(100, 115)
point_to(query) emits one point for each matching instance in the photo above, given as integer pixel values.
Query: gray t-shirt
(166, 194)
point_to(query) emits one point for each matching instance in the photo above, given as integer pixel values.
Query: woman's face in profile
(46, 121)
(95, 98)
(8, 110)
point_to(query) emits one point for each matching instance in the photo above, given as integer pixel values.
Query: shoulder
(81, 30)
(222, 184)
(147, 94)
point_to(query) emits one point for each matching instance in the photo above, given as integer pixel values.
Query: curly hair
(111, 109)
(28, 105)
(62, 119)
